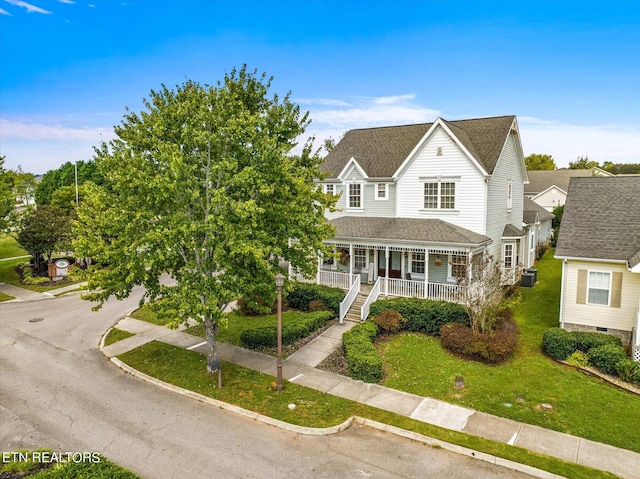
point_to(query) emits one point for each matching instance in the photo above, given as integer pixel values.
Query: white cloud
(30, 8)
(388, 100)
(42, 131)
(68, 2)
(4, 12)
(565, 142)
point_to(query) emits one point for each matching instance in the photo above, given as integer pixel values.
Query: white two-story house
(418, 204)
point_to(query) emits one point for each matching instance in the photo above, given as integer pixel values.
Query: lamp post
(279, 279)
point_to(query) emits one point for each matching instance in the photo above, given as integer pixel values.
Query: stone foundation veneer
(625, 336)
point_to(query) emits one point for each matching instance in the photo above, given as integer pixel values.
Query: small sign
(62, 267)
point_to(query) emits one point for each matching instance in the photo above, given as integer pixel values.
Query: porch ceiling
(415, 230)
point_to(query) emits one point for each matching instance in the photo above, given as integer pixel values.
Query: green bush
(607, 357)
(558, 343)
(389, 321)
(296, 327)
(589, 340)
(362, 358)
(303, 293)
(28, 278)
(629, 370)
(423, 315)
(578, 358)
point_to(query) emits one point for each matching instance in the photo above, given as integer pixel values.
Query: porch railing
(351, 296)
(635, 337)
(328, 278)
(418, 289)
(373, 295)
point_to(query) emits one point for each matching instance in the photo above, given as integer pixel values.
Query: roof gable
(601, 219)
(382, 151)
(532, 212)
(542, 180)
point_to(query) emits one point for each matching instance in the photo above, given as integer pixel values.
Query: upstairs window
(381, 191)
(329, 189)
(440, 195)
(509, 195)
(355, 195)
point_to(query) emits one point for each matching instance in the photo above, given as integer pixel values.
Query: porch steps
(353, 315)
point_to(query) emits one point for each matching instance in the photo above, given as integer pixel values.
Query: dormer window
(354, 200)
(329, 189)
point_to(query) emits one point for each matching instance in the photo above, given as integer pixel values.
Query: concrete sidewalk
(23, 294)
(300, 369)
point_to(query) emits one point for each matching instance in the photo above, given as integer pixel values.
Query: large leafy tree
(536, 161)
(63, 176)
(583, 163)
(7, 199)
(201, 185)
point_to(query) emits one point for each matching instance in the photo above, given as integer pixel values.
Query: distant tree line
(537, 161)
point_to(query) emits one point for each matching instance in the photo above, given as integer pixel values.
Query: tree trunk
(210, 333)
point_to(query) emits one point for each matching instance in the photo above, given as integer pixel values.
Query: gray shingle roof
(601, 219)
(381, 151)
(511, 231)
(540, 180)
(531, 209)
(405, 229)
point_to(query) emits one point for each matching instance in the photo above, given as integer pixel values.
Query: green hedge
(362, 358)
(296, 327)
(558, 343)
(629, 370)
(607, 357)
(589, 340)
(303, 293)
(423, 315)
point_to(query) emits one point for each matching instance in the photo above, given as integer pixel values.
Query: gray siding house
(417, 203)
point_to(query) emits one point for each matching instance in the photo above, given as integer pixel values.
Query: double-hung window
(355, 196)
(458, 265)
(599, 287)
(360, 258)
(417, 263)
(329, 189)
(381, 191)
(508, 255)
(439, 194)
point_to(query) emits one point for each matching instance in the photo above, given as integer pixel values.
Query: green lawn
(116, 335)
(583, 405)
(10, 276)
(255, 391)
(5, 297)
(9, 247)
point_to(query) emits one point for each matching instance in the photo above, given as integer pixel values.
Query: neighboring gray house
(537, 225)
(418, 203)
(548, 188)
(599, 244)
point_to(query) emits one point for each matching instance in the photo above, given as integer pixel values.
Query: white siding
(595, 315)
(551, 199)
(470, 189)
(507, 168)
(372, 207)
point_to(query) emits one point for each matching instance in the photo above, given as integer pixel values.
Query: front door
(395, 264)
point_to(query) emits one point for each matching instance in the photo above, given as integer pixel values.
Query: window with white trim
(508, 255)
(360, 258)
(599, 287)
(509, 195)
(355, 196)
(417, 263)
(381, 191)
(329, 189)
(439, 194)
(458, 266)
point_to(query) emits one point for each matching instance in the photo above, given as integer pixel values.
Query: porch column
(319, 272)
(386, 270)
(334, 266)
(426, 272)
(350, 263)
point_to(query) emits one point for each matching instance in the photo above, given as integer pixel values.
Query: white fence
(351, 296)
(417, 289)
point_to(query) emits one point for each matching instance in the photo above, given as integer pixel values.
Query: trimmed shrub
(422, 315)
(296, 327)
(629, 370)
(362, 358)
(494, 347)
(558, 343)
(317, 305)
(578, 358)
(389, 321)
(607, 357)
(589, 340)
(303, 294)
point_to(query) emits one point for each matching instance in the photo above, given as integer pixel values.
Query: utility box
(535, 274)
(528, 279)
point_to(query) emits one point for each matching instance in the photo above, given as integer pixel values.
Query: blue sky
(569, 70)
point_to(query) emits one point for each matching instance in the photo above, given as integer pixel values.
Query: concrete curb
(311, 431)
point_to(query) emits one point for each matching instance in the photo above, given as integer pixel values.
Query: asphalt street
(57, 390)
